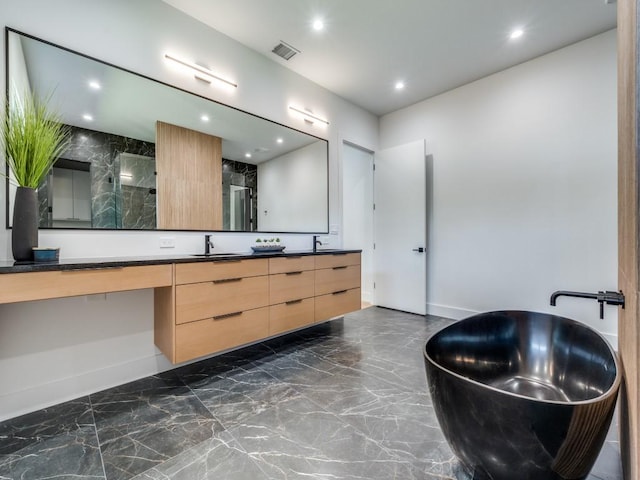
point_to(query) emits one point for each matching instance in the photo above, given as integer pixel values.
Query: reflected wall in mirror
(273, 178)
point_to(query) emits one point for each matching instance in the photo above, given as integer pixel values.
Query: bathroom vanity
(218, 305)
(205, 305)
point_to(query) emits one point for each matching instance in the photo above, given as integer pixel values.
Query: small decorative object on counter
(45, 254)
(267, 245)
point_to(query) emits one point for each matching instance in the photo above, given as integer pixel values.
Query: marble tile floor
(343, 400)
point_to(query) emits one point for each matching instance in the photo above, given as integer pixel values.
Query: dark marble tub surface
(343, 400)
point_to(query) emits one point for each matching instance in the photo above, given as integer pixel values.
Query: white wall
(525, 199)
(57, 350)
(292, 190)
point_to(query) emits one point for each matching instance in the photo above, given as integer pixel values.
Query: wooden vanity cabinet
(213, 306)
(337, 285)
(219, 305)
(291, 292)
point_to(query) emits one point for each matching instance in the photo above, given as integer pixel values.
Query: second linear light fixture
(308, 114)
(201, 73)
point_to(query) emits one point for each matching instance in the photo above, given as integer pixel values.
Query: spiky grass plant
(33, 137)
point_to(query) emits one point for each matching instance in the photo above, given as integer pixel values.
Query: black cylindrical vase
(24, 230)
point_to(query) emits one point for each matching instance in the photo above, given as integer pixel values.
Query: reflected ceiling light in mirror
(94, 85)
(204, 118)
(517, 33)
(318, 25)
(87, 117)
(279, 140)
(247, 155)
(309, 117)
(201, 73)
(399, 85)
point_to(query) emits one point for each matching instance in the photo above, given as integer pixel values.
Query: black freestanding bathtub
(523, 395)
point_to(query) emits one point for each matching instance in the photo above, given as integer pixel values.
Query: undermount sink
(214, 254)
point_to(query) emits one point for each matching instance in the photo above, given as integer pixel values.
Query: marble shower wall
(136, 198)
(242, 175)
(100, 150)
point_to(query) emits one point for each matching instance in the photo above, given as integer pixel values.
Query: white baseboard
(454, 313)
(44, 395)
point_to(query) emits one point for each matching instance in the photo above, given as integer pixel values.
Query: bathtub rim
(613, 389)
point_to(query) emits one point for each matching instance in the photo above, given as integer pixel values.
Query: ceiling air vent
(285, 50)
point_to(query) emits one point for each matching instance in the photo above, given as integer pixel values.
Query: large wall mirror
(136, 156)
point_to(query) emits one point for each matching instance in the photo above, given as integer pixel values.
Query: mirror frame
(9, 30)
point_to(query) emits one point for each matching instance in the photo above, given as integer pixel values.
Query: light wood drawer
(291, 286)
(22, 287)
(219, 270)
(291, 315)
(337, 260)
(336, 304)
(208, 336)
(291, 264)
(196, 301)
(334, 279)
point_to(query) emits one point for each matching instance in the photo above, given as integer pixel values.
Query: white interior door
(357, 210)
(400, 193)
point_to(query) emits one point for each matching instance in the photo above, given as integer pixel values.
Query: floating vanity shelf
(206, 305)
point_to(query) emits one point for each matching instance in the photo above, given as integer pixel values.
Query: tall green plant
(33, 137)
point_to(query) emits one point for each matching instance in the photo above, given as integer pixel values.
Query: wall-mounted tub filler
(522, 394)
(608, 297)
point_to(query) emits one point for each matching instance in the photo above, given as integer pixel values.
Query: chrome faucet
(316, 242)
(208, 244)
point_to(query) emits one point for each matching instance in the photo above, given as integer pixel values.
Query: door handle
(419, 249)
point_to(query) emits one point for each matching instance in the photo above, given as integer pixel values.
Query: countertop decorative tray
(268, 248)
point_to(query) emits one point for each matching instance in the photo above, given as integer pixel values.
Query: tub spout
(608, 297)
(566, 293)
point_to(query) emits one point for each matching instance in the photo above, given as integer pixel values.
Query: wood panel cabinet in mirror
(189, 164)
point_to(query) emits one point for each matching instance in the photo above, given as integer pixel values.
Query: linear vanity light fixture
(201, 73)
(308, 114)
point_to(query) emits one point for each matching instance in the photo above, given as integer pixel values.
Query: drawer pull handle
(293, 302)
(340, 292)
(342, 267)
(228, 280)
(293, 257)
(230, 260)
(227, 315)
(293, 273)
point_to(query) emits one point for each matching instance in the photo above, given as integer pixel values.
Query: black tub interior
(535, 355)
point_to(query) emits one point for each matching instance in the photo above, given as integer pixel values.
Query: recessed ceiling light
(399, 85)
(247, 155)
(517, 33)
(87, 117)
(318, 25)
(95, 85)
(204, 118)
(279, 140)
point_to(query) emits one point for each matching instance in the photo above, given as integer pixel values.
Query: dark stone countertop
(9, 266)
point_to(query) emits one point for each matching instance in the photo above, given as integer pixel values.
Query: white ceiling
(432, 45)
